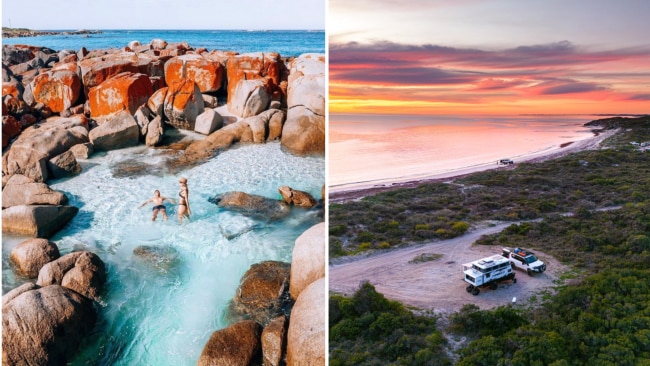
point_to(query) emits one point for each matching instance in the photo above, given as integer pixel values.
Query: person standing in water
(158, 205)
(184, 201)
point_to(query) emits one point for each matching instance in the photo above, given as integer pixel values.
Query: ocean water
(369, 150)
(163, 313)
(285, 42)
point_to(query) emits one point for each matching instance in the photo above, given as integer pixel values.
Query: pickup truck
(524, 259)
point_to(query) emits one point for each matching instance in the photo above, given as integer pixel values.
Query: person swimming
(184, 209)
(158, 202)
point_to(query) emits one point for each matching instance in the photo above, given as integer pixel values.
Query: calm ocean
(400, 148)
(285, 42)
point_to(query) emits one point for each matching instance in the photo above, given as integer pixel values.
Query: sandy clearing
(438, 285)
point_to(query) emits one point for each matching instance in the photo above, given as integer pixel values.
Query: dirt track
(438, 285)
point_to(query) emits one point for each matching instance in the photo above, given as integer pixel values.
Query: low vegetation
(600, 313)
(582, 181)
(368, 329)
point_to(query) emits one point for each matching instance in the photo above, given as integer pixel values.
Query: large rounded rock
(21, 190)
(35, 146)
(207, 75)
(252, 205)
(118, 131)
(265, 66)
(263, 291)
(37, 220)
(183, 103)
(306, 336)
(83, 272)
(31, 255)
(95, 70)
(273, 341)
(250, 98)
(308, 259)
(239, 344)
(44, 326)
(304, 130)
(297, 198)
(58, 90)
(123, 92)
(307, 83)
(304, 134)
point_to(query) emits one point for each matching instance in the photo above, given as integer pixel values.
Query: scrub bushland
(587, 180)
(601, 316)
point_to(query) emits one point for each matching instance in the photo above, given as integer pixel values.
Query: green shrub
(337, 230)
(460, 227)
(364, 246)
(383, 245)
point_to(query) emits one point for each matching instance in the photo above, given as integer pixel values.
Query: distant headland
(24, 32)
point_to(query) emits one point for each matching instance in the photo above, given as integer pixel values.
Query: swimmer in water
(158, 205)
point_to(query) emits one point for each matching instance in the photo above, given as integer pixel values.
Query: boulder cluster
(278, 311)
(43, 323)
(58, 107)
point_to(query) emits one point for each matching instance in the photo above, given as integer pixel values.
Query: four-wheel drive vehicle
(487, 271)
(524, 259)
(505, 162)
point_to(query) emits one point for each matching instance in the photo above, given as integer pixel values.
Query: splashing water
(162, 311)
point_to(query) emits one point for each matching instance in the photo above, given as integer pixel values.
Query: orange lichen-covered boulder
(183, 103)
(254, 66)
(207, 75)
(13, 88)
(156, 102)
(58, 89)
(97, 69)
(126, 91)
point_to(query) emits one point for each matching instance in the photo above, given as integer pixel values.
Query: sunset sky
(489, 56)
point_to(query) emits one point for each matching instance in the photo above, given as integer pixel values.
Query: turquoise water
(285, 42)
(163, 314)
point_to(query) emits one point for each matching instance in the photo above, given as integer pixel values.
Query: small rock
(273, 341)
(64, 165)
(208, 122)
(296, 197)
(82, 151)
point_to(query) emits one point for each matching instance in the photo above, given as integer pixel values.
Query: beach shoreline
(348, 193)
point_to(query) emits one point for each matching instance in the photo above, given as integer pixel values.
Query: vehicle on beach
(486, 272)
(524, 259)
(505, 162)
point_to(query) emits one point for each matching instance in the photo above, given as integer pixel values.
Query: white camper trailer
(487, 271)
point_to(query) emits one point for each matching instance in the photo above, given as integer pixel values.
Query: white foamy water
(369, 150)
(163, 315)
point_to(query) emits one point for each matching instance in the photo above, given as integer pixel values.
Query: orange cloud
(388, 77)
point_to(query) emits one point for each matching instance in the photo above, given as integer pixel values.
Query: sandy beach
(360, 191)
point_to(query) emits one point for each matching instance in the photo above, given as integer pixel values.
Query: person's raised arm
(145, 202)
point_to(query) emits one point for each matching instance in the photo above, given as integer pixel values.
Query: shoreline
(368, 189)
